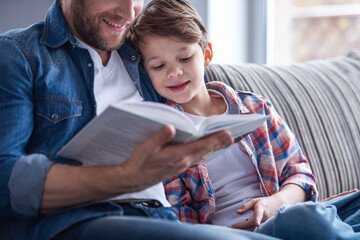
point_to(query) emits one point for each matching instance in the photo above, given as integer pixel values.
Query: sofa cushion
(320, 101)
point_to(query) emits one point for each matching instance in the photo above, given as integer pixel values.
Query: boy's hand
(266, 207)
(263, 207)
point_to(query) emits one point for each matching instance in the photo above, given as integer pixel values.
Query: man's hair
(169, 18)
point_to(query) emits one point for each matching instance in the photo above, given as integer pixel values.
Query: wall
(21, 13)
(231, 25)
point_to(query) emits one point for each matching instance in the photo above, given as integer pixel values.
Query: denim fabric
(348, 209)
(336, 219)
(135, 225)
(46, 97)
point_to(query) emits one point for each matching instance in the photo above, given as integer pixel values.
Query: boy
(173, 43)
(255, 176)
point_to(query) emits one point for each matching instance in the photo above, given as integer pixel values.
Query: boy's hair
(169, 18)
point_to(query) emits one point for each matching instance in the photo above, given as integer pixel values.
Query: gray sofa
(320, 101)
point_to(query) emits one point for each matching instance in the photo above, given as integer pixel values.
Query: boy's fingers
(248, 224)
(258, 215)
(246, 207)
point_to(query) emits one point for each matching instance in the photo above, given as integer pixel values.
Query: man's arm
(151, 162)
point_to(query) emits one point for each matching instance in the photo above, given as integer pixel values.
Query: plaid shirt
(272, 147)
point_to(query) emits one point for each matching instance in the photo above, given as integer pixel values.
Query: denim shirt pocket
(56, 122)
(56, 109)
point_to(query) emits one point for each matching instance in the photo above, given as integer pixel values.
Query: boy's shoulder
(252, 101)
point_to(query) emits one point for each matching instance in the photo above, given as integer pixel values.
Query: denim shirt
(46, 97)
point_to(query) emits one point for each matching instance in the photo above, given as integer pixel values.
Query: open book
(111, 137)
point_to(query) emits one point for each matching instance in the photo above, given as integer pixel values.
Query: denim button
(89, 65)
(133, 57)
(55, 117)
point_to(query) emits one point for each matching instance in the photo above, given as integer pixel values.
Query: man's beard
(90, 33)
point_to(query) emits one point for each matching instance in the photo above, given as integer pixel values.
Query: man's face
(102, 23)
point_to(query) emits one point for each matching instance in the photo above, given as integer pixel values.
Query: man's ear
(208, 53)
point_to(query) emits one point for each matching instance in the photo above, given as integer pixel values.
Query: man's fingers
(210, 143)
(161, 138)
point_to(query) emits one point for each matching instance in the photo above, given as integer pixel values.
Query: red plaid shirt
(272, 147)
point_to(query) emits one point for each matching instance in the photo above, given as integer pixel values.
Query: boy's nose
(175, 72)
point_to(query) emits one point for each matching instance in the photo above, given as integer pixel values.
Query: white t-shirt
(112, 84)
(234, 178)
(235, 182)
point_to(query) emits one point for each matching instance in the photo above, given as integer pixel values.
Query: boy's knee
(302, 221)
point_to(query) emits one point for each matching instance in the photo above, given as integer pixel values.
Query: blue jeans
(336, 219)
(141, 222)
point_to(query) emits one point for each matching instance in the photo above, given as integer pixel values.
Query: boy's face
(176, 68)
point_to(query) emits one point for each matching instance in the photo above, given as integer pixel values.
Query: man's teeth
(112, 24)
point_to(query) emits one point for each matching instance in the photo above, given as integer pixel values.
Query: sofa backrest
(320, 101)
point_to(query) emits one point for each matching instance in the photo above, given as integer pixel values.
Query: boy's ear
(208, 53)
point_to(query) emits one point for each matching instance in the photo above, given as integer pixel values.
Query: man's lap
(141, 222)
(302, 221)
(136, 227)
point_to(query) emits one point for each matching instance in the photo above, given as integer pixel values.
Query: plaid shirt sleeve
(191, 195)
(279, 157)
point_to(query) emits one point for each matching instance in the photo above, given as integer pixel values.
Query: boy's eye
(158, 67)
(185, 59)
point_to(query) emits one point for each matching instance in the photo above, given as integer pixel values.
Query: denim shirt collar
(56, 32)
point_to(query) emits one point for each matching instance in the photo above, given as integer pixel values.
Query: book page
(237, 124)
(161, 113)
(111, 137)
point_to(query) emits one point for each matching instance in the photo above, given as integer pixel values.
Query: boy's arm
(285, 171)
(274, 141)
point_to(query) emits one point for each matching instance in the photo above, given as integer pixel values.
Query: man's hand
(156, 159)
(151, 162)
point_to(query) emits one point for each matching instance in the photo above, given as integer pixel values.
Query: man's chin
(112, 43)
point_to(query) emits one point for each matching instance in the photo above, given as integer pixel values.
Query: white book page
(160, 113)
(111, 137)
(237, 124)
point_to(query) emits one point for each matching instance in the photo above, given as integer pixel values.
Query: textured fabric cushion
(320, 101)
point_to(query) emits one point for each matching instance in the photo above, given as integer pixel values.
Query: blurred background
(275, 32)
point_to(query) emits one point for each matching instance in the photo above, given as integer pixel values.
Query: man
(56, 76)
